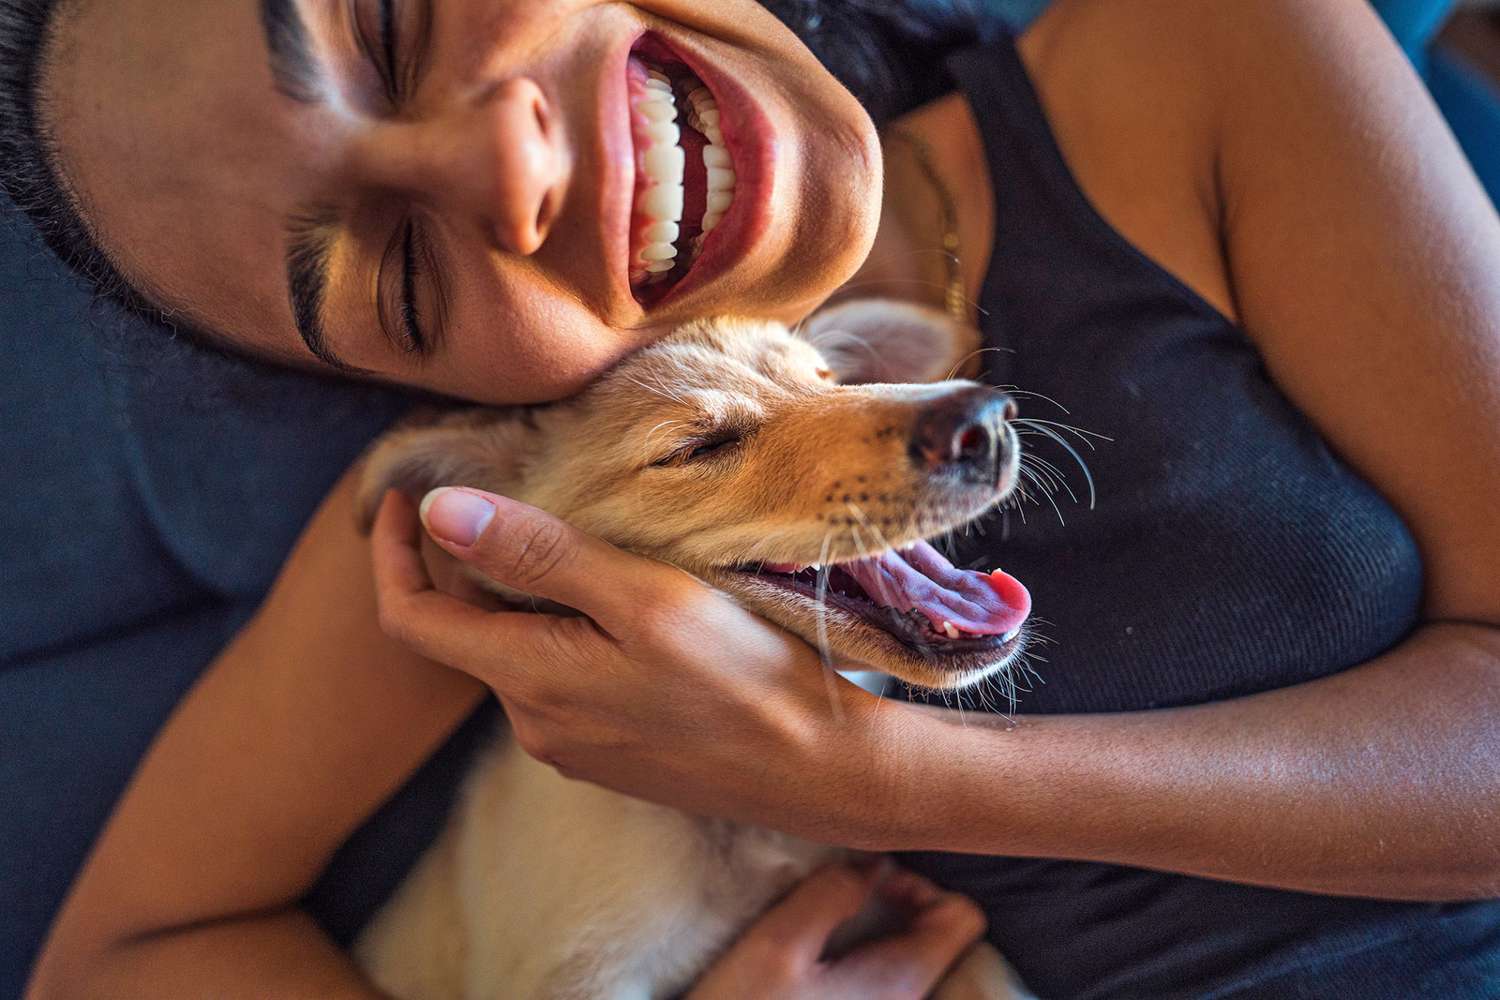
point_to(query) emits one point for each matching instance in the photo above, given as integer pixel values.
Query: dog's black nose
(964, 433)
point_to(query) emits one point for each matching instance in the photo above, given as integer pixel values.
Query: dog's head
(792, 472)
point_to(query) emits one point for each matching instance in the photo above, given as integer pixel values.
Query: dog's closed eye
(715, 445)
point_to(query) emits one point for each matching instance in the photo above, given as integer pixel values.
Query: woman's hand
(666, 690)
(781, 955)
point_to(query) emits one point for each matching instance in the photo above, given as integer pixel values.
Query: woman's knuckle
(532, 555)
(528, 691)
(533, 740)
(779, 963)
(393, 621)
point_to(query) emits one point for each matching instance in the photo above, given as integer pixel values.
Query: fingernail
(456, 516)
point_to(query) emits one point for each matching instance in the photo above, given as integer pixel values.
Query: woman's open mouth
(685, 172)
(916, 596)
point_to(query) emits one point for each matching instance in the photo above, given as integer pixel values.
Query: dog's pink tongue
(919, 577)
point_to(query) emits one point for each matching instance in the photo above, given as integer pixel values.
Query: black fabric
(1229, 552)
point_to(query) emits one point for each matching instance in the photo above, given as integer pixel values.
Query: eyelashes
(715, 446)
(396, 300)
(394, 36)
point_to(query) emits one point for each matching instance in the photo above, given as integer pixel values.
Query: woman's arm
(1365, 264)
(299, 730)
(1381, 781)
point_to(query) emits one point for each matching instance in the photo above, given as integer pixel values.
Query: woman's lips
(617, 174)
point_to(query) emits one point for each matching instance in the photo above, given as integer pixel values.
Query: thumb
(531, 551)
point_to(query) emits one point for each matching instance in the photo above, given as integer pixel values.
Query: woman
(1208, 239)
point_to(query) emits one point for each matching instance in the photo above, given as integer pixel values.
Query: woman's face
(453, 194)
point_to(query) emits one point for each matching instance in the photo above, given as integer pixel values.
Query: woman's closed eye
(408, 276)
(393, 37)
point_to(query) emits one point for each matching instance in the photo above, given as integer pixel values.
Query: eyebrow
(310, 237)
(309, 247)
(294, 67)
(300, 76)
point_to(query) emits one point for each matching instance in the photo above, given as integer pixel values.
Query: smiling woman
(422, 168)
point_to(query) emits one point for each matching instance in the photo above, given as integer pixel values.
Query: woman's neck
(908, 261)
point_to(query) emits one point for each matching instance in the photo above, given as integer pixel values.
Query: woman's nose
(520, 179)
(499, 159)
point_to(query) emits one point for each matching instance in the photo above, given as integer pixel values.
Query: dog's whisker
(1045, 472)
(825, 649)
(1042, 428)
(1040, 475)
(1012, 390)
(972, 354)
(1087, 437)
(1048, 494)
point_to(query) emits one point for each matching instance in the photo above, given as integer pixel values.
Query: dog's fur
(545, 887)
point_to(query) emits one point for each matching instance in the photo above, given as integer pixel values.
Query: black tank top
(1229, 551)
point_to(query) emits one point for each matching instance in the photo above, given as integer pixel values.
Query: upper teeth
(663, 163)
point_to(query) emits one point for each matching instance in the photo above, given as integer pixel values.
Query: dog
(801, 473)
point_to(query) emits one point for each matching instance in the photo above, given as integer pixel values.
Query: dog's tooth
(949, 630)
(1007, 637)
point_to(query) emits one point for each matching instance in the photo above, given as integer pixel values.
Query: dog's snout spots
(963, 434)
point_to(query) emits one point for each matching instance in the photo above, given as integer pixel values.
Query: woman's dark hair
(887, 52)
(28, 164)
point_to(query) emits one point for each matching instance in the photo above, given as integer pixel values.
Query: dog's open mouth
(915, 595)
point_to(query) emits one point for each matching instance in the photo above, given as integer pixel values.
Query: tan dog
(791, 472)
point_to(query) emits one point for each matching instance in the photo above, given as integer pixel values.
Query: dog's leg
(982, 975)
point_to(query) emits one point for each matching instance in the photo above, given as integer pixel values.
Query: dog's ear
(479, 448)
(883, 340)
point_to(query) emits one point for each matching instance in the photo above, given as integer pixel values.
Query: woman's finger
(533, 552)
(802, 922)
(497, 647)
(912, 962)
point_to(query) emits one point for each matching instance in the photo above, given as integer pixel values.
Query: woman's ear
(478, 448)
(884, 340)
